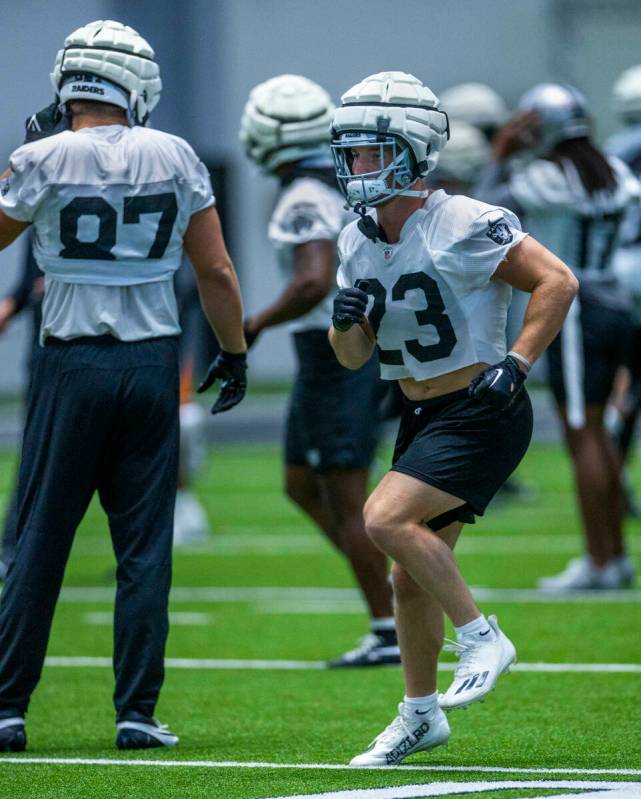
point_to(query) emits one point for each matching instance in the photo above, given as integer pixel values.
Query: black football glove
(231, 368)
(350, 306)
(498, 385)
(45, 123)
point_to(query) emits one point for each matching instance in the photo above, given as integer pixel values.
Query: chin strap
(366, 224)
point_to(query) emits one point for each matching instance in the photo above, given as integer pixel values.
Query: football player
(475, 112)
(460, 164)
(575, 200)
(113, 204)
(426, 279)
(626, 145)
(331, 430)
(26, 295)
(475, 104)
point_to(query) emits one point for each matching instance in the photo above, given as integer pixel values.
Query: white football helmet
(562, 111)
(286, 119)
(477, 104)
(466, 153)
(627, 95)
(116, 55)
(392, 110)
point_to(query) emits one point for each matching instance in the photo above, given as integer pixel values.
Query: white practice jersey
(435, 307)
(109, 206)
(307, 210)
(626, 262)
(581, 229)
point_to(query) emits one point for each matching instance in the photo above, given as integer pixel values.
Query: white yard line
(333, 596)
(81, 761)
(591, 789)
(314, 665)
(176, 619)
(313, 544)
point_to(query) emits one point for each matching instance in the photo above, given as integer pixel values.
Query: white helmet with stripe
(106, 61)
(562, 111)
(286, 119)
(392, 110)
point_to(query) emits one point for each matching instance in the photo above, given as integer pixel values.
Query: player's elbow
(312, 291)
(350, 362)
(567, 285)
(350, 356)
(219, 271)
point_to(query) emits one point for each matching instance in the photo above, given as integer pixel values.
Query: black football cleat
(374, 650)
(13, 737)
(142, 732)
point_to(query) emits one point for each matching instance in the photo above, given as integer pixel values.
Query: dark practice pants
(102, 416)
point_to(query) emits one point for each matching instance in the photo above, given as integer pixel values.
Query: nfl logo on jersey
(499, 231)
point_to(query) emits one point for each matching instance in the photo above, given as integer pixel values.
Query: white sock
(420, 705)
(383, 623)
(478, 628)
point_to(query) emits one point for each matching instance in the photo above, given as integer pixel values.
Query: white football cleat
(191, 526)
(627, 571)
(410, 732)
(481, 663)
(582, 575)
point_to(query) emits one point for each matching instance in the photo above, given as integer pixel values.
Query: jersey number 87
(133, 208)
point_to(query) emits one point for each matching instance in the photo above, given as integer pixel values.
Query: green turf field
(251, 731)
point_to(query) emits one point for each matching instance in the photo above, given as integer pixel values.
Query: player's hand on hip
(498, 385)
(231, 368)
(350, 306)
(47, 122)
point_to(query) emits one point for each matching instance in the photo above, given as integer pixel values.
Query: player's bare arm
(533, 268)
(10, 229)
(217, 281)
(314, 267)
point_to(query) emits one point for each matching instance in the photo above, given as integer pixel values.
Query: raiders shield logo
(301, 218)
(499, 232)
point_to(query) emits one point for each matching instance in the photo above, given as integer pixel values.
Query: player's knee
(404, 586)
(379, 523)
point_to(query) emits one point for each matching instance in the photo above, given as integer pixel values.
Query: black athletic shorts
(463, 447)
(332, 421)
(583, 359)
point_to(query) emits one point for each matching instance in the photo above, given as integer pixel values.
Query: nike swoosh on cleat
(421, 712)
(486, 632)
